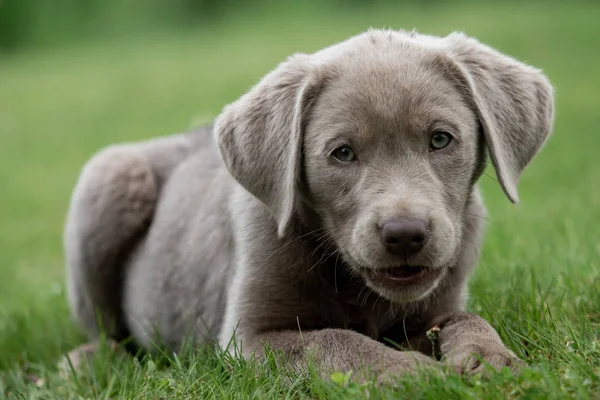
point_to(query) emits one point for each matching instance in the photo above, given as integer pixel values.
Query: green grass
(538, 281)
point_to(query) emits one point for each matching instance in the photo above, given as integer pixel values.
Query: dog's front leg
(469, 343)
(342, 350)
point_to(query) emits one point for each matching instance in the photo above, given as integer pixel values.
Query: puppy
(333, 210)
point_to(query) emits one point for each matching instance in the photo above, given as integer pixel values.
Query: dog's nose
(403, 236)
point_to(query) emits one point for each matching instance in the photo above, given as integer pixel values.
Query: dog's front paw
(473, 359)
(469, 345)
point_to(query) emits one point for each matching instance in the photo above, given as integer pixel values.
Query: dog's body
(335, 207)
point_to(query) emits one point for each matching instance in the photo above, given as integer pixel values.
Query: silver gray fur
(257, 229)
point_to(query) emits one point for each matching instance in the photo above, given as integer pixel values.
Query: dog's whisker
(324, 257)
(298, 238)
(478, 216)
(335, 266)
(274, 252)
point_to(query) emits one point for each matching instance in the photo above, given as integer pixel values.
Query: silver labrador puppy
(334, 207)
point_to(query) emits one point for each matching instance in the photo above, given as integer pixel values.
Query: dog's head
(383, 137)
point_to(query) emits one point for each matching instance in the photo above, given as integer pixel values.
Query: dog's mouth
(401, 275)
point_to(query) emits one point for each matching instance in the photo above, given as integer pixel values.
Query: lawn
(538, 281)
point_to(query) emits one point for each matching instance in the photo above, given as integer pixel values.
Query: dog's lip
(401, 275)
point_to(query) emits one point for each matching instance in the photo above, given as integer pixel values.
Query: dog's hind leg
(111, 208)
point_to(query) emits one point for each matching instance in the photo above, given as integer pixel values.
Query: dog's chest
(348, 304)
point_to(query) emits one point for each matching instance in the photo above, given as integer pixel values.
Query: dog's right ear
(260, 135)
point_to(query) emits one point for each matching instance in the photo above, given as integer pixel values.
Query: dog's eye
(439, 140)
(344, 154)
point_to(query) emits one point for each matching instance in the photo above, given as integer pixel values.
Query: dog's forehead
(395, 83)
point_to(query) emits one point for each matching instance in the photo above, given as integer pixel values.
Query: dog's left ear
(514, 103)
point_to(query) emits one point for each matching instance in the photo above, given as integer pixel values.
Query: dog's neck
(347, 302)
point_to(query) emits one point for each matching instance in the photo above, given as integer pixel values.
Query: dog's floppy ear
(514, 103)
(260, 135)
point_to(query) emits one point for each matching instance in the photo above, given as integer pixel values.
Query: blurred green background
(76, 75)
(24, 22)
